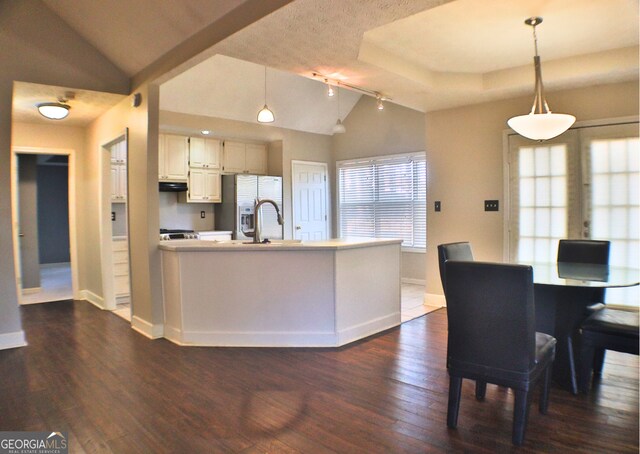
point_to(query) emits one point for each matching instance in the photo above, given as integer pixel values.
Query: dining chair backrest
(460, 251)
(584, 251)
(491, 316)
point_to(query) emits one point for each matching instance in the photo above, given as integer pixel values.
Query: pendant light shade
(53, 110)
(339, 128)
(541, 126)
(540, 123)
(265, 115)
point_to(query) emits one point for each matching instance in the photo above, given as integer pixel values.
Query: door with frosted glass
(611, 196)
(582, 184)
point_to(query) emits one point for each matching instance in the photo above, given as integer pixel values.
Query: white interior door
(310, 206)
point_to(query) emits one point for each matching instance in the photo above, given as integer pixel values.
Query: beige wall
(28, 54)
(464, 164)
(371, 132)
(292, 145)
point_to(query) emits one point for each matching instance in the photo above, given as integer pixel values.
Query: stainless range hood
(172, 187)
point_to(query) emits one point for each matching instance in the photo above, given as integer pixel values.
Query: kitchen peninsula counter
(284, 294)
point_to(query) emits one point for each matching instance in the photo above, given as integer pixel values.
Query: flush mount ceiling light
(540, 123)
(339, 128)
(205, 132)
(265, 115)
(54, 110)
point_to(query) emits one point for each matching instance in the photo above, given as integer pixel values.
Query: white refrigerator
(239, 193)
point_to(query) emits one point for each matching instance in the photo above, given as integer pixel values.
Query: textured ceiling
(430, 55)
(135, 33)
(85, 107)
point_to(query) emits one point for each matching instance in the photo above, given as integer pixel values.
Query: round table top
(583, 274)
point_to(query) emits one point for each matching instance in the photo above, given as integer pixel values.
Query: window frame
(373, 159)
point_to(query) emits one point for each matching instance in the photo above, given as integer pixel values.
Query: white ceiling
(225, 87)
(425, 54)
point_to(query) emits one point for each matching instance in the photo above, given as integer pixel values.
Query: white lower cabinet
(204, 187)
(121, 280)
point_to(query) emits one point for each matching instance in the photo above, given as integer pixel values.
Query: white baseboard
(94, 299)
(280, 339)
(147, 329)
(353, 333)
(31, 290)
(408, 280)
(433, 299)
(12, 340)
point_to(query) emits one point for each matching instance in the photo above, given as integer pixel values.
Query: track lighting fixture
(338, 83)
(330, 91)
(339, 128)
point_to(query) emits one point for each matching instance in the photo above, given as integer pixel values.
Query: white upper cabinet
(204, 186)
(204, 153)
(172, 157)
(256, 158)
(239, 157)
(119, 153)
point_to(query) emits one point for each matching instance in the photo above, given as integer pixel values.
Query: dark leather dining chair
(610, 329)
(492, 337)
(460, 251)
(588, 251)
(584, 251)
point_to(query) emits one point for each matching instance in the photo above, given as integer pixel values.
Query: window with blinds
(384, 197)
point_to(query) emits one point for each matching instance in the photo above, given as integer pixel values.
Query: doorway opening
(44, 225)
(115, 228)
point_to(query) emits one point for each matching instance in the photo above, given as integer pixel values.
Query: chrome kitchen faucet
(256, 213)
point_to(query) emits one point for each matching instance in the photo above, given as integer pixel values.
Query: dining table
(563, 292)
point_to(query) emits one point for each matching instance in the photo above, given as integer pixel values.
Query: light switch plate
(491, 205)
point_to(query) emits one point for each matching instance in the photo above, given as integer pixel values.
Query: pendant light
(339, 128)
(265, 115)
(540, 123)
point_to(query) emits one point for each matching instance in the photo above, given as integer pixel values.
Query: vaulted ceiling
(424, 54)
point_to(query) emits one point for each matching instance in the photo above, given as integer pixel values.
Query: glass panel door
(611, 194)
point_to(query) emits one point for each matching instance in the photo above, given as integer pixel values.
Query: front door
(310, 213)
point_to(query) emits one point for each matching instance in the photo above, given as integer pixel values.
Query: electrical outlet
(202, 215)
(491, 205)
(437, 206)
(113, 215)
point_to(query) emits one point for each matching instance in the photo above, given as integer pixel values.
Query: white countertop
(276, 245)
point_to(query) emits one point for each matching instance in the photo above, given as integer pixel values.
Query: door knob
(298, 227)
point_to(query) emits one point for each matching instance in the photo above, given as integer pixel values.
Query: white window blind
(384, 197)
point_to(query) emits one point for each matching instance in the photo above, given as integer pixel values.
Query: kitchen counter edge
(214, 246)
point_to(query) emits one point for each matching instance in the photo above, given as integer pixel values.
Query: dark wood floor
(85, 371)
